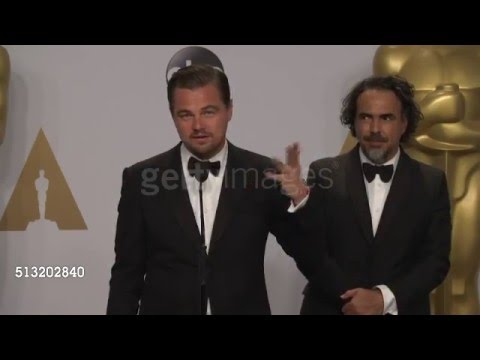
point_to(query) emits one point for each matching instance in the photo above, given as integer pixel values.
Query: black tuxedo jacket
(410, 252)
(158, 245)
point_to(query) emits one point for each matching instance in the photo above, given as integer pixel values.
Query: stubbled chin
(201, 142)
(200, 150)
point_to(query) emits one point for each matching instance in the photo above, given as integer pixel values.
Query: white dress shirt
(211, 189)
(377, 192)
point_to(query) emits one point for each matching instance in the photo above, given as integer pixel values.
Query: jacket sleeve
(128, 270)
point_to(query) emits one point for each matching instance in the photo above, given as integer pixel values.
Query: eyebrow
(210, 107)
(381, 115)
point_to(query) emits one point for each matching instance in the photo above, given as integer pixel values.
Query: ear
(404, 124)
(230, 110)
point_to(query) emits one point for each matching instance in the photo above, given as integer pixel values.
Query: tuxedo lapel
(397, 196)
(179, 201)
(233, 182)
(358, 193)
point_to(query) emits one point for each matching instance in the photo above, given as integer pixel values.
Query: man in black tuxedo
(193, 221)
(378, 221)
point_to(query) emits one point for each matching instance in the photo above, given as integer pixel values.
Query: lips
(200, 139)
(376, 142)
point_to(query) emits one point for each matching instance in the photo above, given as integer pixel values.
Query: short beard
(377, 156)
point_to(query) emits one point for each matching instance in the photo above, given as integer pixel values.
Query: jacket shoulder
(429, 172)
(432, 177)
(159, 161)
(331, 162)
(253, 159)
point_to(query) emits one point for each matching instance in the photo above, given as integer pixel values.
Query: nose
(197, 123)
(375, 125)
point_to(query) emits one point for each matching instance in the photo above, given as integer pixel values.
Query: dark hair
(195, 76)
(403, 90)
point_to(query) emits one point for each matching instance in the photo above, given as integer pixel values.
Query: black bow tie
(385, 172)
(200, 169)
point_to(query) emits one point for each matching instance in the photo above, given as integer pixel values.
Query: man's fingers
(349, 294)
(348, 309)
(292, 155)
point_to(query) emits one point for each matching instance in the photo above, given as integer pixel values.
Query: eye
(209, 112)
(184, 116)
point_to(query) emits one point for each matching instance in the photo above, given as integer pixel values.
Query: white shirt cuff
(389, 301)
(294, 208)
